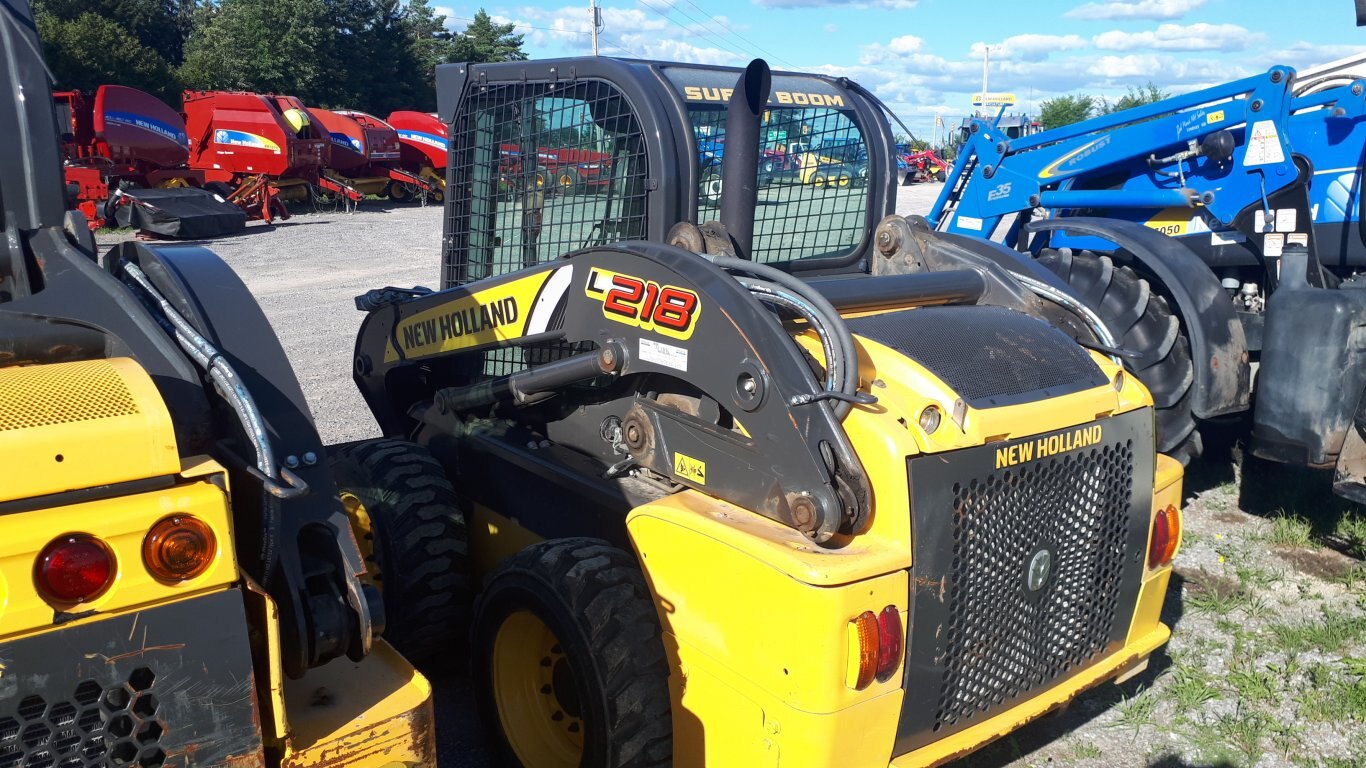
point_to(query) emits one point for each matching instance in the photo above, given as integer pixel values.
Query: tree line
(371, 55)
(1073, 108)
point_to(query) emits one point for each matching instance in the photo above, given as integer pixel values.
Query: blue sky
(924, 57)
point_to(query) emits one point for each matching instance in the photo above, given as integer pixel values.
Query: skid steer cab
(179, 581)
(778, 489)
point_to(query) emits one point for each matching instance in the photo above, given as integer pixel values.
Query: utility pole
(596, 17)
(986, 57)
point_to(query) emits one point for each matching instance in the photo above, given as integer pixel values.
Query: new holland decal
(1040, 448)
(664, 309)
(515, 309)
(243, 139)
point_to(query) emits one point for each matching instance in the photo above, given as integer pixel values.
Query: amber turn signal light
(1166, 535)
(179, 548)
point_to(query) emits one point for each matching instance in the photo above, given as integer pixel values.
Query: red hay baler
(422, 141)
(366, 155)
(120, 146)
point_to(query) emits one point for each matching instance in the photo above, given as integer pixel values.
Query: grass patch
(1243, 730)
(1214, 594)
(1334, 698)
(1135, 712)
(1254, 687)
(1084, 750)
(1334, 633)
(1289, 531)
(1191, 689)
(1350, 533)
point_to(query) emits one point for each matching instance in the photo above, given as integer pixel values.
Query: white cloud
(630, 32)
(905, 44)
(831, 29)
(1303, 55)
(1163, 70)
(1175, 37)
(1134, 9)
(896, 5)
(1029, 47)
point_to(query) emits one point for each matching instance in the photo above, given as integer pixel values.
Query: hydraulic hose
(1060, 297)
(847, 353)
(773, 294)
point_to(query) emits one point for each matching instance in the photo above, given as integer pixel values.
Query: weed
(1331, 635)
(1351, 534)
(1244, 730)
(1191, 689)
(1335, 699)
(1084, 750)
(1289, 531)
(1257, 608)
(1136, 711)
(1253, 687)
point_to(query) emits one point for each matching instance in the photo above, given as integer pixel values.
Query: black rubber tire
(398, 192)
(940, 176)
(220, 188)
(593, 597)
(711, 190)
(420, 546)
(1143, 322)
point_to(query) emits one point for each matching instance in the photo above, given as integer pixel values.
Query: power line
(717, 20)
(720, 43)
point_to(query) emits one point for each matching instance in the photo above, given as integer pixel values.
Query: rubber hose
(769, 292)
(830, 316)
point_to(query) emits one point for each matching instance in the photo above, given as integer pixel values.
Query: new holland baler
(422, 146)
(263, 148)
(366, 154)
(124, 152)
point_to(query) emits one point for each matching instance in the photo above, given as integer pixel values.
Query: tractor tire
(941, 176)
(220, 188)
(398, 192)
(567, 660)
(1142, 322)
(569, 180)
(411, 530)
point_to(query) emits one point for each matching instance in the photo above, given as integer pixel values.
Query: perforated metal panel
(1004, 640)
(92, 728)
(813, 178)
(41, 396)
(1028, 561)
(989, 355)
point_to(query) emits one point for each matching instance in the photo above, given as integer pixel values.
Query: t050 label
(664, 309)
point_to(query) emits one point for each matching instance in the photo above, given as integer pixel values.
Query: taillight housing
(876, 644)
(74, 568)
(1165, 537)
(179, 548)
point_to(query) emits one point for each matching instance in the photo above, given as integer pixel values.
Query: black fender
(309, 535)
(1218, 346)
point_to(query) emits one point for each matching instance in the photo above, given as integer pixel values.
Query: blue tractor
(1217, 234)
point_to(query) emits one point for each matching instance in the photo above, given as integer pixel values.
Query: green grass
(1335, 698)
(1350, 533)
(1334, 633)
(1136, 711)
(1289, 531)
(1191, 689)
(1244, 730)
(1217, 599)
(1254, 687)
(1084, 750)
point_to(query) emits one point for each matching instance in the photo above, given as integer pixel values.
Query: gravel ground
(1267, 664)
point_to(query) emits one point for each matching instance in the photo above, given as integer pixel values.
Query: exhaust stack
(740, 165)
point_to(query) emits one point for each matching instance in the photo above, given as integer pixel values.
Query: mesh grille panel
(988, 355)
(539, 170)
(40, 396)
(1004, 640)
(95, 727)
(813, 181)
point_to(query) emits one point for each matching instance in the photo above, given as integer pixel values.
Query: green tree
(1136, 97)
(159, 25)
(92, 50)
(1065, 110)
(484, 40)
(280, 46)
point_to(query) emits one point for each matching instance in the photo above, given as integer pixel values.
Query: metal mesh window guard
(813, 179)
(540, 170)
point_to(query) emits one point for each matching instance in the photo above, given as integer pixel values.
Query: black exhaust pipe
(740, 165)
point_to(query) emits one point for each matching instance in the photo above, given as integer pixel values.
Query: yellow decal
(1043, 447)
(689, 468)
(1076, 154)
(698, 93)
(1214, 117)
(1170, 221)
(484, 317)
(664, 309)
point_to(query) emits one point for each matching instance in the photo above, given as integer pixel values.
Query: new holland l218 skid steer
(878, 514)
(179, 585)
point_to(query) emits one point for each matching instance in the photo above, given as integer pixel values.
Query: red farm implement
(422, 146)
(367, 156)
(124, 154)
(264, 149)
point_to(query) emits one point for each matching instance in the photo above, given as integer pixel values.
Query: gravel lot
(1267, 665)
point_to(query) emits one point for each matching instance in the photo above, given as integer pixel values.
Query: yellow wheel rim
(844, 180)
(175, 182)
(818, 180)
(566, 181)
(364, 530)
(533, 685)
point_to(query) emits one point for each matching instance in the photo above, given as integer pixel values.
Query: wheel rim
(712, 188)
(566, 180)
(536, 694)
(363, 528)
(844, 180)
(818, 180)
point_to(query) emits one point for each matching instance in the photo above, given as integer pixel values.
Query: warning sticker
(1273, 245)
(1226, 237)
(667, 355)
(1283, 220)
(689, 468)
(1264, 147)
(969, 222)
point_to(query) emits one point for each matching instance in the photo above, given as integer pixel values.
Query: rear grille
(986, 635)
(96, 726)
(1004, 641)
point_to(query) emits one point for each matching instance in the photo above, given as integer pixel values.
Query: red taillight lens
(74, 568)
(1166, 534)
(179, 548)
(889, 643)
